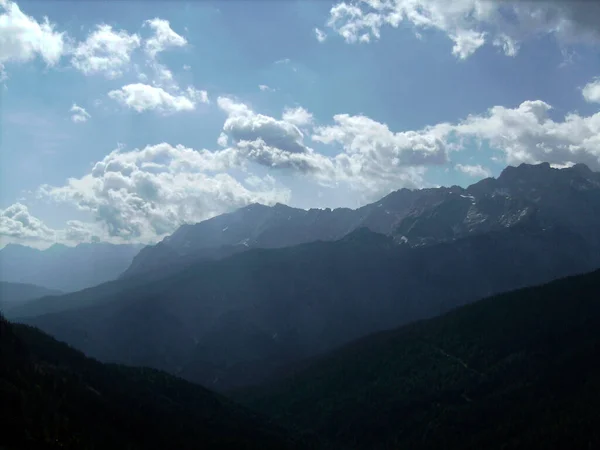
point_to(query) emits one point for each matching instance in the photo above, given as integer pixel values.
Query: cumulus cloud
(297, 116)
(527, 134)
(243, 124)
(17, 224)
(591, 91)
(374, 140)
(23, 38)
(362, 165)
(144, 97)
(105, 51)
(164, 37)
(476, 171)
(144, 194)
(79, 114)
(470, 23)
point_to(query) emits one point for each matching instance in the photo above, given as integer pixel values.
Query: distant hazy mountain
(413, 217)
(65, 268)
(52, 397)
(516, 371)
(260, 226)
(242, 318)
(239, 320)
(16, 294)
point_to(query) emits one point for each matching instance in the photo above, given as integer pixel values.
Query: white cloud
(476, 171)
(320, 35)
(362, 135)
(297, 116)
(17, 222)
(164, 37)
(527, 134)
(470, 23)
(144, 194)
(278, 145)
(591, 91)
(22, 38)
(79, 114)
(143, 97)
(105, 52)
(243, 124)
(18, 225)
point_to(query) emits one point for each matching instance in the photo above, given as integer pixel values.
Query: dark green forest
(53, 397)
(519, 370)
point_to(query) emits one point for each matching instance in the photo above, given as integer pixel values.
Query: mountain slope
(54, 397)
(16, 294)
(242, 319)
(260, 226)
(553, 197)
(65, 268)
(515, 371)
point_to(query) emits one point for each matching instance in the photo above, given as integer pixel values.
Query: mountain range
(540, 193)
(240, 319)
(517, 371)
(342, 329)
(65, 268)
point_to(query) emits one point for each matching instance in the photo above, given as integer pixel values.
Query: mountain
(415, 217)
(54, 397)
(516, 371)
(566, 198)
(16, 294)
(260, 226)
(245, 318)
(65, 268)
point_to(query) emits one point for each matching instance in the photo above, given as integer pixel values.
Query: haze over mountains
(17, 294)
(268, 313)
(516, 371)
(320, 243)
(65, 268)
(237, 320)
(53, 397)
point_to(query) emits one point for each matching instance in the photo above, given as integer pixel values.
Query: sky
(122, 120)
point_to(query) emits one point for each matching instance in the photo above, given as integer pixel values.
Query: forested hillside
(53, 397)
(515, 371)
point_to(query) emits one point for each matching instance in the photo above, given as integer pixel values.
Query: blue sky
(123, 120)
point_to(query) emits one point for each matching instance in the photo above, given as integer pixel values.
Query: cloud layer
(144, 194)
(469, 24)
